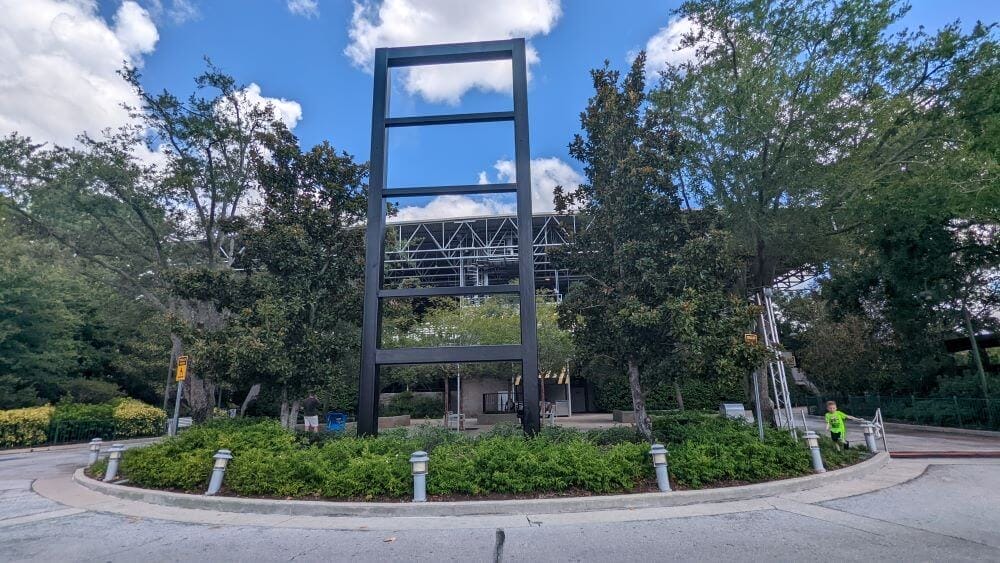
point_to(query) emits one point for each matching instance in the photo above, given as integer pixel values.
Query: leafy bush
(707, 448)
(90, 390)
(268, 460)
(67, 412)
(417, 406)
(134, 419)
(24, 427)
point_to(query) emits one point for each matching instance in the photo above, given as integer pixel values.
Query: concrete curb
(82, 446)
(487, 507)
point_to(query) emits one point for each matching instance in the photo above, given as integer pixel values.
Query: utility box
(733, 410)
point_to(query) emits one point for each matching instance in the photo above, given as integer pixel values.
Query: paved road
(948, 514)
(901, 438)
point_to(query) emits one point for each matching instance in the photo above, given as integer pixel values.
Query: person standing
(310, 413)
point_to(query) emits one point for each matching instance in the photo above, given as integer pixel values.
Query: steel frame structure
(475, 251)
(372, 355)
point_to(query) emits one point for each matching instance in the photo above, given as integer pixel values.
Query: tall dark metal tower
(373, 356)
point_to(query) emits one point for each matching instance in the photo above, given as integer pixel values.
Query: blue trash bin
(336, 421)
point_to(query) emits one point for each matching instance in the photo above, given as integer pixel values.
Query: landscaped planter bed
(270, 462)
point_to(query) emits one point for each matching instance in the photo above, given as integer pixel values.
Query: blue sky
(303, 52)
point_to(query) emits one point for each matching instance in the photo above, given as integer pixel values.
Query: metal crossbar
(372, 355)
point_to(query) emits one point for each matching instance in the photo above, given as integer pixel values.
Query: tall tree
(136, 222)
(791, 112)
(634, 228)
(292, 306)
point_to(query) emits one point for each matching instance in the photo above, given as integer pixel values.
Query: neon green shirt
(836, 421)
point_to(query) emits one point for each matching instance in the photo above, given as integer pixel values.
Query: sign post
(182, 364)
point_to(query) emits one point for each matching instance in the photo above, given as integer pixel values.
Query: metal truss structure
(768, 327)
(475, 251)
(373, 356)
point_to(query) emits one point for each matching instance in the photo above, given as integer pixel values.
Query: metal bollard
(812, 439)
(659, 454)
(222, 458)
(418, 461)
(870, 438)
(113, 459)
(95, 451)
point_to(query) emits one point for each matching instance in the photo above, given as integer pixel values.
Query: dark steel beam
(448, 53)
(448, 290)
(449, 355)
(531, 421)
(368, 388)
(449, 119)
(450, 190)
(527, 351)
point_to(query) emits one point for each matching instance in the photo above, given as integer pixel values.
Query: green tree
(292, 306)
(136, 223)
(635, 228)
(792, 113)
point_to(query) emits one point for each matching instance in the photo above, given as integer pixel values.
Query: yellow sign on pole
(750, 338)
(182, 368)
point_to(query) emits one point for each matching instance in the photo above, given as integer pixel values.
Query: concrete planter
(627, 417)
(501, 418)
(393, 421)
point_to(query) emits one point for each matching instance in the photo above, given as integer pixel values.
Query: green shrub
(92, 391)
(268, 460)
(24, 427)
(134, 419)
(708, 449)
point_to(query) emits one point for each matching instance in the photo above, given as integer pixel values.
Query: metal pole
(177, 409)
(979, 362)
(758, 413)
(170, 375)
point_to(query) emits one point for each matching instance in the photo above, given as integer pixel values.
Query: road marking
(40, 516)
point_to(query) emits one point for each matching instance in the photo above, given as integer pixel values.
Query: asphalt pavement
(950, 511)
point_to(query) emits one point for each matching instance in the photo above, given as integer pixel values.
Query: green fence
(20, 435)
(981, 414)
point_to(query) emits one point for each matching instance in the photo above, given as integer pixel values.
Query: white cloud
(664, 48)
(546, 174)
(288, 112)
(60, 61)
(395, 23)
(178, 11)
(305, 8)
(450, 206)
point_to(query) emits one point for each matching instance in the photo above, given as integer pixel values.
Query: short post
(113, 459)
(869, 429)
(95, 451)
(659, 454)
(418, 461)
(812, 439)
(222, 458)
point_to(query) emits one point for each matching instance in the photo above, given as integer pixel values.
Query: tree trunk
(639, 402)
(251, 397)
(678, 395)
(283, 414)
(766, 404)
(200, 396)
(293, 415)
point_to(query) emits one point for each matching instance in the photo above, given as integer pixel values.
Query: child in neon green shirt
(835, 424)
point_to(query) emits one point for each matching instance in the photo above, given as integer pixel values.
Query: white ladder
(775, 366)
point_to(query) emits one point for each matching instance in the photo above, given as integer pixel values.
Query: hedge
(70, 422)
(24, 427)
(270, 461)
